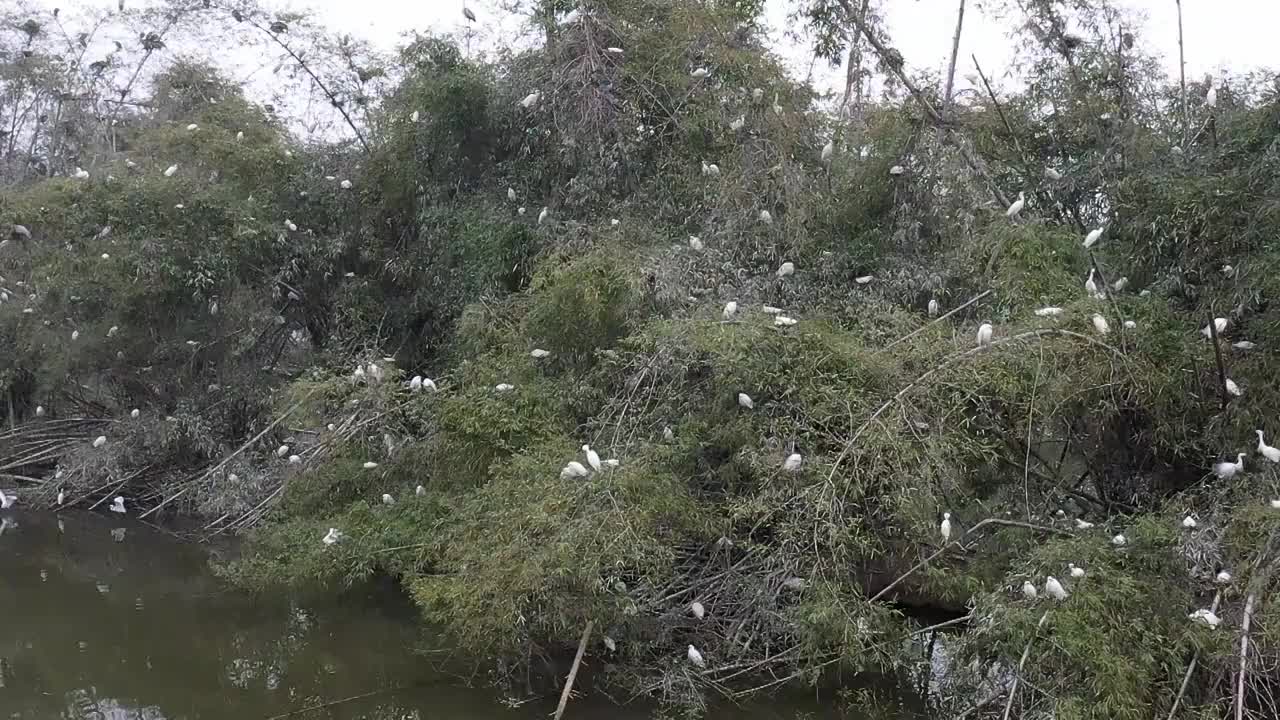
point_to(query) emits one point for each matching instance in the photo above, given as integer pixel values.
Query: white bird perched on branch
(40, 411)
(511, 194)
(1275, 504)
(415, 384)
(757, 95)
(369, 465)
(695, 242)
(1189, 523)
(785, 269)
(593, 458)
(111, 332)
(100, 441)
(574, 469)
(784, 321)
(1029, 590)
(171, 170)
(745, 401)
(1083, 524)
(530, 100)
(1093, 237)
(293, 227)
(897, 170)
(1054, 589)
(1267, 451)
(1228, 470)
(792, 463)
(117, 505)
(697, 609)
(710, 169)
(1211, 97)
(1100, 324)
(984, 334)
(1233, 388)
(135, 413)
(332, 537)
(282, 451)
(864, 279)
(75, 335)
(1049, 312)
(766, 217)
(1244, 345)
(419, 491)
(1219, 325)
(695, 657)
(933, 307)
(1130, 325)
(539, 353)
(62, 497)
(80, 174)
(945, 527)
(504, 387)
(295, 459)
(1120, 284)
(668, 434)
(699, 73)
(345, 184)
(1119, 540)
(777, 109)
(542, 216)
(7, 501)
(828, 150)
(387, 499)
(1076, 572)
(1205, 616)
(429, 384)
(739, 123)
(1090, 286)
(1222, 578)
(730, 310)
(1052, 175)
(1016, 208)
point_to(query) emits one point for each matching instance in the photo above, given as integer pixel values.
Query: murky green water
(132, 626)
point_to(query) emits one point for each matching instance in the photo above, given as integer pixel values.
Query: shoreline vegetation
(629, 349)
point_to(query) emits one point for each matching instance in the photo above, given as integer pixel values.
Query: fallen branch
(1026, 651)
(573, 670)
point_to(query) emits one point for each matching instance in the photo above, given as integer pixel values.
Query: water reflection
(100, 624)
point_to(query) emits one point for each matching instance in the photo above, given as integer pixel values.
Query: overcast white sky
(1235, 35)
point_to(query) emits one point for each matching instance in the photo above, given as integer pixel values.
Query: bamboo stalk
(955, 50)
(1217, 356)
(1026, 651)
(573, 670)
(1244, 655)
(1182, 75)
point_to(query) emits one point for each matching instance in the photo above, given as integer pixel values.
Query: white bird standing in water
(117, 505)
(1054, 589)
(792, 463)
(1219, 324)
(945, 528)
(1267, 451)
(984, 334)
(745, 401)
(730, 310)
(1100, 324)
(1029, 590)
(1016, 208)
(593, 459)
(1228, 470)
(695, 657)
(1076, 572)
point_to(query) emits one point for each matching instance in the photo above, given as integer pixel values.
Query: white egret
(520, 211)
(1204, 616)
(1029, 590)
(612, 462)
(738, 124)
(1092, 238)
(1222, 578)
(828, 150)
(792, 463)
(539, 353)
(1228, 470)
(593, 458)
(777, 109)
(1090, 286)
(766, 217)
(1049, 312)
(295, 459)
(668, 434)
(1120, 284)
(1100, 324)
(1228, 271)
(282, 451)
(614, 50)
(39, 411)
(574, 469)
(429, 384)
(699, 73)
(933, 307)
(745, 401)
(80, 174)
(233, 478)
(1052, 175)
(710, 169)
(1083, 524)
(1054, 589)
(1233, 388)
(332, 537)
(1219, 325)
(193, 127)
(1244, 345)
(945, 528)
(75, 335)
(1119, 540)
(419, 491)
(293, 227)
(369, 465)
(897, 170)
(1211, 97)
(864, 279)
(609, 644)
(113, 330)
(530, 100)
(730, 310)
(1076, 572)
(697, 609)
(784, 321)
(1130, 325)
(7, 501)
(1269, 452)
(695, 657)
(358, 375)
(100, 441)
(387, 499)
(542, 216)
(1189, 523)
(757, 95)
(135, 413)
(984, 334)
(345, 184)
(504, 387)
(1275, 504)
(171, 170)
(785, 269)
(415, 384)
(695, 243)
(1016, 208)
(62, 497)
(117, 505)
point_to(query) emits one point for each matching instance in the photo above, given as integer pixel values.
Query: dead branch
(573, 670)
(1026, 651)
(1222, 368)
(955, 50)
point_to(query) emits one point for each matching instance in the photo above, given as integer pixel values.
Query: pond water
(113, 620)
